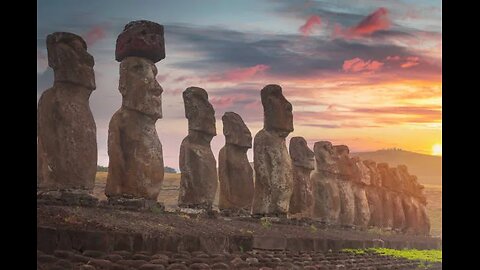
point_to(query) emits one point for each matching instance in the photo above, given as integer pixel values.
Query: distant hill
(427, 168)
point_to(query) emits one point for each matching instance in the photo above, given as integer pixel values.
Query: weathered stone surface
(385, 176)
(398, 213)
(362, 209)
(388, 208)
(360, 181)
(326, 194)
(303, 160)
(375, 179)
(135, 153)
(375, 206)
(397, 181)
(411, 222)
(347, 203)
(198, 182)
(143, 39)
(422, 217)
(363, 171)
(66, 142)
(346, 175)
(235, 173)
(273, 165)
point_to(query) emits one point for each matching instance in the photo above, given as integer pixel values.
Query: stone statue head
(143, 39)
(69, 59)
(375, 179)
(301, 155)
(363, 171)
(396, 179)
(277, 111)
(139, 87)
(325, 157)
(198, 111)
(345, 163)
(385, 175)
(235, 130)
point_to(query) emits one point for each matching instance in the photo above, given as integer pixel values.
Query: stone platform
(109, 229)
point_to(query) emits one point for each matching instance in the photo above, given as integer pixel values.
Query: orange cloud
(306, 28)
(376, 21)
(358, 65)
(240, 74)
(95, 34)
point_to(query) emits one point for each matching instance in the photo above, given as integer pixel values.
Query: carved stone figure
(326, 194)
(234, 170)
(198, 183)
(303, 160)
(135, 153)
(272, 163)
(66, 142)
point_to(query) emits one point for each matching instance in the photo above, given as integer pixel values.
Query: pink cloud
(358, 65)
(393, 58)
(306, 28)
(253, 105)
(95, 34)
(181, 79)
(411, 62)
(227, 100)
(376, 21)
(239, 74)
(161, 77)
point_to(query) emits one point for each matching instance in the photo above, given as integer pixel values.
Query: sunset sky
(365, 73)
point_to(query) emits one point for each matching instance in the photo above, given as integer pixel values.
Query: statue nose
(288, 106)
(157, 90)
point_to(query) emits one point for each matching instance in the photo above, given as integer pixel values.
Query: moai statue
(303, 161)
(374, 195)
(198, 182)
(361, 180)
(272, 163)
(67, 143)
(326, 194)
(398, 213)
(235, 173)
(386, 195)
(411, 222)
(424, 224)
(135, 170)
(420, 202)
(346, 175)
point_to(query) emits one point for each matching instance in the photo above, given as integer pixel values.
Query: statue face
(235, 130)
(325, 157)
(139, 87)
(277, 110)
(301, 155)
(199, 112)
(68, 57)
(375, 179)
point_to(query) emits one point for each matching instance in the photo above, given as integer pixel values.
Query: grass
(265, 222)
(427, 255)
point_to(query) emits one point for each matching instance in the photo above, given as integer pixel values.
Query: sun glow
(437, 149)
